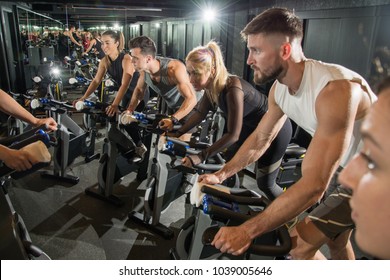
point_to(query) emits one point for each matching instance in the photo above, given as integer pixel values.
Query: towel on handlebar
(197, 195)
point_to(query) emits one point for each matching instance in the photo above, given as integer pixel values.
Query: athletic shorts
(333, 215)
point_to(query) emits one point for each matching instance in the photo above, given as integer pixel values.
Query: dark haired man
(167, 77)
(328, 101)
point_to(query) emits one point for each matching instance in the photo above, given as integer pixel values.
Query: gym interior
(94, 203)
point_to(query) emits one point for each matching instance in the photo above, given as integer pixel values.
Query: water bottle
(80, 105)
(175, 149)
(127, 119)
(36, 103)
(209, 200)
(141, 118)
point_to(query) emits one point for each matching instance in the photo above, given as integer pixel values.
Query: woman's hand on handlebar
(166, 124)
(77, 100)
(112, 110)
(191, 160)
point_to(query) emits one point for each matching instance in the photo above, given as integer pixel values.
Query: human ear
(212, 71)
(286, 50)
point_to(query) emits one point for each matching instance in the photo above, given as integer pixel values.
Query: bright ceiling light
(209, 14)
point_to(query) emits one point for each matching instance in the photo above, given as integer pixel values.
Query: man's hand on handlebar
(211, 179)
(232, 240)
(77, 100)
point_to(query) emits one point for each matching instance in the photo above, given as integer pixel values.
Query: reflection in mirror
(38, 43)
(40, 33)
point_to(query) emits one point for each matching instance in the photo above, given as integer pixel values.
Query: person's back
(63, 47)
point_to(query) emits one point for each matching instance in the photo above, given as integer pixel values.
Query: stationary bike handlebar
(22, 141)
(244, 198)
(258, 249)
(240, 196)
(88, 106)
(42, 102)
(148, 119)
(13, 140)
(24, 95)
(190, 149)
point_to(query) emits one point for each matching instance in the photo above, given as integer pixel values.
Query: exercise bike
(166, 180)
(16, 242)
(14, 125)
(118, 159)
(73, 141)
(221, 206)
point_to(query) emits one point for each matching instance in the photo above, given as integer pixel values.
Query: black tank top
(116, 72)
(255, 104)
(115, 69)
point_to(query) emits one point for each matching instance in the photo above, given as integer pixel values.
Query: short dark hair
(146, 44)
(273, 21)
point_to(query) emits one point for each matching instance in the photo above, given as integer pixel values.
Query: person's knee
(301, 250)
(307, 240)
(340, 241)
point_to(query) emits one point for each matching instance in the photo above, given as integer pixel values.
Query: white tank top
(301, 106)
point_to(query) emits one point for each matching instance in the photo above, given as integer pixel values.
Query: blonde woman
(243, 107)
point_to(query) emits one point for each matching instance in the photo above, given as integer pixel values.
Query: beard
(265, 78)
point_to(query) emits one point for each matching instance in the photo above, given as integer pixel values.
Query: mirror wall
(37, 30)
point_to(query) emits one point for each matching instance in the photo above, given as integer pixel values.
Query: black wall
(352, 33)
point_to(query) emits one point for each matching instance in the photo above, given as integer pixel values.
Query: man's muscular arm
(333, 134)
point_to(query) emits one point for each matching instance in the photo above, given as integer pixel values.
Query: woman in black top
(118, 64)
(243, 107)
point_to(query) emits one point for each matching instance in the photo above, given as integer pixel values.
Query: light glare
(209, 14)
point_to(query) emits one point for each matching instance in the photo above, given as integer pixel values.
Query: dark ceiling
(90, 13)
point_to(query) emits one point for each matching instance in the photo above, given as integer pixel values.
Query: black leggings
(133, 129)
(268, 165)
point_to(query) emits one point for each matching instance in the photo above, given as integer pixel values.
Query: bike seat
(294, 151)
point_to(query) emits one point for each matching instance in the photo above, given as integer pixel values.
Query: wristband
(174, 120)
